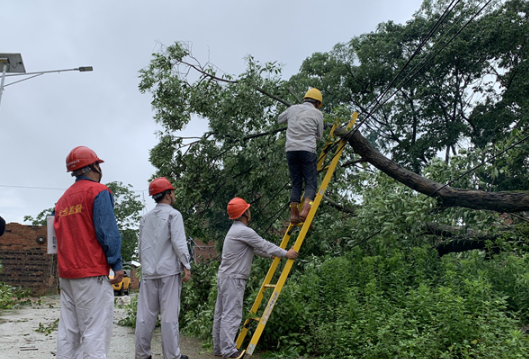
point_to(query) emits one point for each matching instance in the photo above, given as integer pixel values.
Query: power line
(375, 104)
(26, 187)
(443, 17)
(54, 188)
(413, 74)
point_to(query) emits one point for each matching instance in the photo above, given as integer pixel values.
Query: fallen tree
(447, 196)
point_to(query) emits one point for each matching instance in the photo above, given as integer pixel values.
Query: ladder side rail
(267, 280)
(257, 302)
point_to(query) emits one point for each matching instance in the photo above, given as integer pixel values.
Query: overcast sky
(43, 118)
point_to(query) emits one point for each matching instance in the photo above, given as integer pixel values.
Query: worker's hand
(291, 253)
(187, 275)
(118, 277)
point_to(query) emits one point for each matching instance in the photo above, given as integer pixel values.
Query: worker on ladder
(305, 128)
(240, 245)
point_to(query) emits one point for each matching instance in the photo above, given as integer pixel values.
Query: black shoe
(237, 355)
(184, 357)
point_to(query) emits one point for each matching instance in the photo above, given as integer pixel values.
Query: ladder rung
(247, 325)
(269, 285)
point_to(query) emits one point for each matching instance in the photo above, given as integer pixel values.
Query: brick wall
(25, 262)
(204, 251)
(134, 280)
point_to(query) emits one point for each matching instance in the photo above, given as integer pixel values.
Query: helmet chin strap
(93, 167)
(86, 169)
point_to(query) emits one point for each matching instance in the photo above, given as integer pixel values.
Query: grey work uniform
(163, 253)
(240, 245)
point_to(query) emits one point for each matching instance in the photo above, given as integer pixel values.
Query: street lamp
(12, 65)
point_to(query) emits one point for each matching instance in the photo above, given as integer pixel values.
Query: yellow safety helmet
(314, 94)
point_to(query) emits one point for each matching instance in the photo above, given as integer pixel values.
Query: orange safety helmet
(236, 207)
(80, 157)
(158, 185)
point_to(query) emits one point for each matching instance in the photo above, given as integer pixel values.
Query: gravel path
(18, 338)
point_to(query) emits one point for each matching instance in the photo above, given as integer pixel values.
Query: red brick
(204, 251)
(25, 263)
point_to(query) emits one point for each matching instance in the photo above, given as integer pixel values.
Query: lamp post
(12, 65)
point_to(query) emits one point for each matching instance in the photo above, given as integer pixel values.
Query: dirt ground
(18, 338)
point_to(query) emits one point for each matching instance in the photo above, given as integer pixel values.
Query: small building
(24, 260)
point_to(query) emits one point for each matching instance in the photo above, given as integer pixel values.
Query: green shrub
(11, 297)
(402, 304)
(131, 309)
(198, 300)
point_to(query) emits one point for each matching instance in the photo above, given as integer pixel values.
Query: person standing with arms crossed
(163, 255)
(305, 128)
(240, 245)
(88, 245)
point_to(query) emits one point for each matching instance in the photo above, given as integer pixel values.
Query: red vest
(79, 253)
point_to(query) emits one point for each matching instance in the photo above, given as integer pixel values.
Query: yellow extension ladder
(299, 241)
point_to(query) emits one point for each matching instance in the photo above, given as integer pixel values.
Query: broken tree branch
(447, 196)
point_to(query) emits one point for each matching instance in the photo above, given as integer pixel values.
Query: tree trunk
(448, 196)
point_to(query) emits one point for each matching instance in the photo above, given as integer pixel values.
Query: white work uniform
(305, 127)
(87, 312)
(163, 253)
(240, 245)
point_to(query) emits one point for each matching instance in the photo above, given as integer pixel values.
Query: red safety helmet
(158, 185)
(80, 157)
(236, 207)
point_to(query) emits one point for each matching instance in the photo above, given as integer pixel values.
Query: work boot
(239, 354)
(294, 213)
(307, 205)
